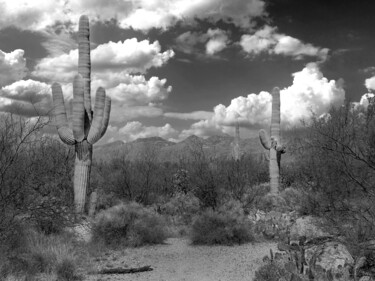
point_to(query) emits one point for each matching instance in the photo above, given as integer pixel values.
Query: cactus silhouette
(273, 143)
(88, 126)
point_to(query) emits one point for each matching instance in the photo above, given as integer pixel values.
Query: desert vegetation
(208, 197)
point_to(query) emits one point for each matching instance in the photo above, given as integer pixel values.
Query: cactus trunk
(82, 168)
(236, 149)
(275, 138)
(273, 144)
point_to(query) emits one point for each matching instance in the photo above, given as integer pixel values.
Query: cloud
(138, 90)
(26, 97)
(310, 92)
(142, 14)
(364, 101)
(166, 13)
(268, 40)
(129, 56)
(370, 83)
(217, 42)
(195, 115)
(12, 66)
(134, 130)
(209, 43)
(187, 42)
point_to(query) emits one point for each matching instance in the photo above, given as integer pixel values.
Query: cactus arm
(65, 133)
(84, 61)
(96, 125)
(107, 112)
(78, 109)
(264, 139)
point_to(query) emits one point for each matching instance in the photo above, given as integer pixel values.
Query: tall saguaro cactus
(236, 145)
(88, 126)
(273, 143)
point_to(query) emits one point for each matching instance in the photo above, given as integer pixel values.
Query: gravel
(178, 260)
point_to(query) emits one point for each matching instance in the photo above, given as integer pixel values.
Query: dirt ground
(177, 260)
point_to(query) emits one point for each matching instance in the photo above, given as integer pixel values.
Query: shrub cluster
(129, 224)
(227, 226)
(31, 255)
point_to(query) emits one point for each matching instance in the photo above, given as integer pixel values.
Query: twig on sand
(120, 270)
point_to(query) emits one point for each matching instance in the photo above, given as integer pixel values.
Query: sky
(174, 68)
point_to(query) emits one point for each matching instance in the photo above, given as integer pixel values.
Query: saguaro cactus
(236, 144)
(273, 144)
(88, 126)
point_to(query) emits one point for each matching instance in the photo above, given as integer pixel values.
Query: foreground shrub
(278, 268)
(40, 254)
(227, 226)
(129, 224)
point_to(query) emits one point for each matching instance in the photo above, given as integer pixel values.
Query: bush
(40, 254)
(227, 226)
(129, 224)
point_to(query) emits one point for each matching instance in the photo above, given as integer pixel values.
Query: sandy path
(177, 260)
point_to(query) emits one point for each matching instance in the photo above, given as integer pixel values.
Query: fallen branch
(120, 270)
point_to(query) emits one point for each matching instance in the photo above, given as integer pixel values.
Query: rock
(308, 227)
(330, 261)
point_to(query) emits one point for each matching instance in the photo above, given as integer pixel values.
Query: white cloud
(12, 66)
(165, 13)
(310, 92)
(26, 97)
(187, 42)
(364, 101)
(268, 40)
(370, 83)
(130, 56)
(138, 90)
(134, 130)
(195, 115)
(217, 42)
(140, 14)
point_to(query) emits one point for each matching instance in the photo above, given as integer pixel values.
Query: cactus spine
(88, 126)
(273, 144)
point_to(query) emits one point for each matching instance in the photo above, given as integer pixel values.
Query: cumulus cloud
(195, 115)
(165, 13)
(12, 66)
(310, 92)
(134, 130)
(370, 83)
(129, 56)
(198, 43)
(141, 14)
(364, 101)
(112, 67)
(187, 42)
(217, 42)
(268, 40)
(26, 97)
(138, 90)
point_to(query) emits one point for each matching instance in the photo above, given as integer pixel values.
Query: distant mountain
(214, 146)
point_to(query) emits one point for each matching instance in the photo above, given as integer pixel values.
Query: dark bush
(226, 226)
(129, 224)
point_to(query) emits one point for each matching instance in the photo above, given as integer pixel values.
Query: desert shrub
(272, 202)
(129, 224)
(40, 254)
(293, 197)
(181, 208)
(227, 226)
(278, 267)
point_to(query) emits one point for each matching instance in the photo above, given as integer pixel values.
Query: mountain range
(164, 150)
